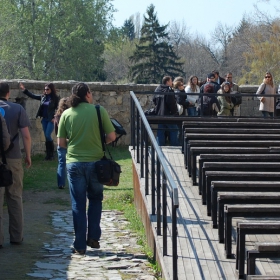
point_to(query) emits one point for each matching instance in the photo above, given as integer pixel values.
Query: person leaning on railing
(166, 106)
(266, 102)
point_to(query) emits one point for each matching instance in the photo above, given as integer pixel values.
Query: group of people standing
(79, 146)
(221, 98)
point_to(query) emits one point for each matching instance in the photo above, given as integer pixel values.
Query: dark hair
(52, 88)
(4, 89)
(208, 88)
(223, 86)
(79, 92)
(216, 72)
(165, 79)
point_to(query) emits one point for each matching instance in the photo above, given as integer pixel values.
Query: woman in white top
(192, 87)
(266, 102)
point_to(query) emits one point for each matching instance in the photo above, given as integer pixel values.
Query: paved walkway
(118, 258)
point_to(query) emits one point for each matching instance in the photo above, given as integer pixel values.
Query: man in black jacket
(166, 105)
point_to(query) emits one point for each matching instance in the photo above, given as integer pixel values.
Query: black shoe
(1, 246)
(80, 252)
(93, 243)
(61, 187)
(16, 243)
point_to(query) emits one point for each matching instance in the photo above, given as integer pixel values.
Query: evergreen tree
(154, 57)
(128, 29)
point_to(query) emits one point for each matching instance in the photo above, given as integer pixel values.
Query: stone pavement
(119, 257)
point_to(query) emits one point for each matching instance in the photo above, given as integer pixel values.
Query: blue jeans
(83, 184)
(47, 128)
(173, 134)
(192, 111)
(61, 168)
(267, 114)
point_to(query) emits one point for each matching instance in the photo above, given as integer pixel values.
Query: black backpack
(236, 98)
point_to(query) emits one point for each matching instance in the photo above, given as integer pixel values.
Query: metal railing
(159, 183)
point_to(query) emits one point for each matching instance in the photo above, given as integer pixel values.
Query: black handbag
(6, 176)
(108, 171)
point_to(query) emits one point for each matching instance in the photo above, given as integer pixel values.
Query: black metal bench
(226, 137)
(244, 229)
(233, 158)
(260, 166)
(247, 125)
(262, 277)
(235, 176)
(263, 250)
(245, 210)
(229, 143)
(197, 151)
(217, 209)
(269, 186)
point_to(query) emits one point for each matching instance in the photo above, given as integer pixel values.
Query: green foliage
(154, 56)
(56, 39)
(118, 48)
(264, 54)
(128, 29)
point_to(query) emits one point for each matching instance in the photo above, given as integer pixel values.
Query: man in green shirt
(78, 131)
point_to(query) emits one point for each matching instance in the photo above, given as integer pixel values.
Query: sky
(199, 20)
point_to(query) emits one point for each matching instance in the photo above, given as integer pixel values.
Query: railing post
(132, 123)
(153, 170)
(141, 149)
(159, 210)
(137, 136)
(174, 241)
(164, 214)
(145, 136)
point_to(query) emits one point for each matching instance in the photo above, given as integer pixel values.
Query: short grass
(42, 178)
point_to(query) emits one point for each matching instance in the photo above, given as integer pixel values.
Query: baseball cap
(210, 75)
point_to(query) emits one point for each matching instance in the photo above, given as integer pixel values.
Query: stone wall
(115, 98)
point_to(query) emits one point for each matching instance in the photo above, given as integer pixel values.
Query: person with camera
(79, 125)
(48, 104)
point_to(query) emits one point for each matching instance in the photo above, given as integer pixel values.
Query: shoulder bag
(263, 92)
(108, 171)
(6, 176)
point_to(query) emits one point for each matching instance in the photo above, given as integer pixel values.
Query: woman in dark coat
(48, 104)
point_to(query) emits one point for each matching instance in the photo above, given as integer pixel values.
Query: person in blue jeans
(166, 105)
(78, 131)
(61, 151)
(48, 104)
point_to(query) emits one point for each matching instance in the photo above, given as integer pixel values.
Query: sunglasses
(267, 77)
(47, 89)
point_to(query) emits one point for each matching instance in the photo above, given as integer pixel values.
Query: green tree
(154, 57)
(118, 49)
(129, 29)
(264, 53)
(55, 39)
